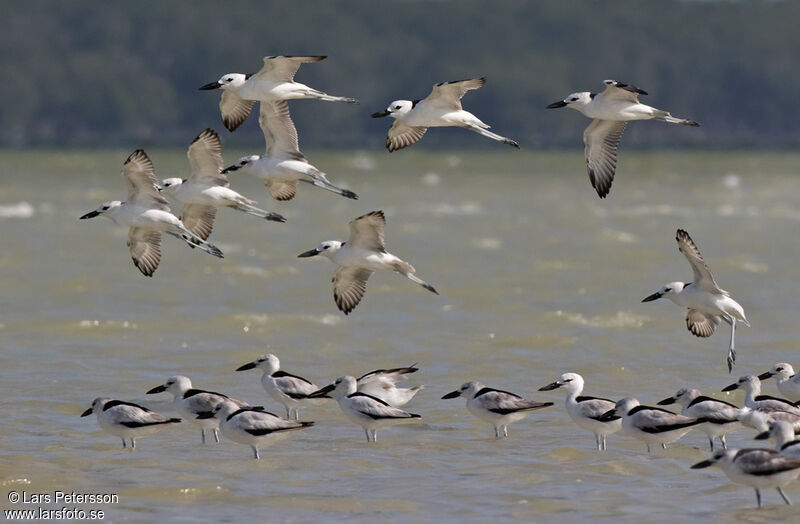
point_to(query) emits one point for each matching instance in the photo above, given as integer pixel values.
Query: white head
(750, 383)
(227, 81)
(340, 388)
(326, 249)
(684, 396)
(467, 389)
(96, 407)
(574, 100)
(780, 431)
(782, 370)
(669, 291)
(245, 163)
(625, 405)
(170, 185)
(177, 385)
(396, 109)
(572, 382)
(106, 209)
(269, 363)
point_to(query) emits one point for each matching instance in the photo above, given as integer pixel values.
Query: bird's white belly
(261, 89)
(618, 110)
(358, 257)
(153, 219)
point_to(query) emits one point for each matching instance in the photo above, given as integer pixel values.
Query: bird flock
(374, 400)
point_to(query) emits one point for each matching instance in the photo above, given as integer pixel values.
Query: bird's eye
(397, 107)
(573, 99)
(667, 289)
(324, 247)
(229, 79)
(568, 380)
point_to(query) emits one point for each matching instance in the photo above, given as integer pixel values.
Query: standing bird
(147, 214)
(126, 420)
(755, 467)
(283, 165)
(587, 412)
(441, 108)
(610, 110)
(290, 390)
(495, 406)
(251, 425)
(706, 301)
(359, 257)
(207, 188)
(275, 81)
(721, 417)
(649, 424)
(382, 383)
(190, 402)
(788, 381)
(783, 434)
(755, 400)
(371, 413)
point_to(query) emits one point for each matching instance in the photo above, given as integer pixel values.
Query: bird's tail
(664, 116)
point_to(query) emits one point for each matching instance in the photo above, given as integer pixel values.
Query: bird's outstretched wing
(449, 94)
(205, 160)
(349, 286)
(601, 140)
(145, 248)
(283, 68)
(401, 135)
(621, 91)
(367, 231)
(702, 275)
(280, 135)
(234, 109)
(140, 178)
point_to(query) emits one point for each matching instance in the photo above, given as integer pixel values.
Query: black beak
(249, 365)
(205, 414)
(556, 105)
(90, 214)
(380, 114)
(309, 253)
(157, 389)
(323, 393)
(452, 394)
(765, 376)
(762, 436)
(731, 387)
(210, 86)
(230, 169)
(552, 385)
(654, 296)
(87, 412)
(667, 401)
(703, 464)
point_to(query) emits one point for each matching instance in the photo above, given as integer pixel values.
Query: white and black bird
(207, 188)
(495, 406)
(755, 400)
(382, 383)
(610, 112)
(274, 81)
(147, 214)
(190, 402)
(587, 412)
(290, 390)
(706, 301)
(282, 165)
(755, 467)
(649, 424)
(788, 381)
(371, 413)
(251, 425)
(785, 438)
(359, 257)
(761, 418)
(127, 420)
(441, 108)
(721, 417)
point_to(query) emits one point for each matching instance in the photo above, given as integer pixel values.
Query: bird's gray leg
(496, 432)
(785, 498)
(256, 454)
(203, 435)
(288, 413)
(414, 278)
(374, 435)
(366, 432)
(493, 136)
(663, 446)
(758, 497)
(731, 350)
(124, 444)
(724, 444)
(133, 443)
(216, 435)
(505, 431)
(604, 442)
(244, 207)
(711, 443)
(597, 441)
(315, 179)
(195, 241)
(648, 447)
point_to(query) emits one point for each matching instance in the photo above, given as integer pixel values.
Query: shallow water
(537, 277)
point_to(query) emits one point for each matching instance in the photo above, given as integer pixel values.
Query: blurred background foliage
(125, 74)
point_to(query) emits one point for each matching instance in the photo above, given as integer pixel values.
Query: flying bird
(441, 108)
(359, 257)
(275, 81)
(610, 112)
